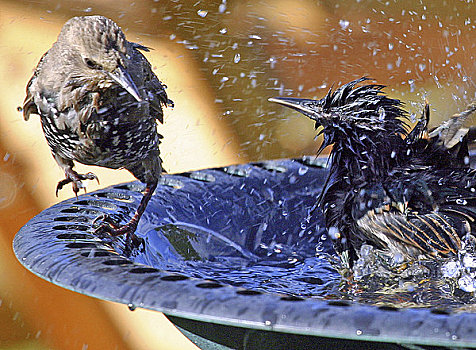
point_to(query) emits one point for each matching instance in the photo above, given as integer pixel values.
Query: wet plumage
(99, 103)
(408, 192)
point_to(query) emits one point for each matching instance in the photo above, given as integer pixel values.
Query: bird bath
(229, 255)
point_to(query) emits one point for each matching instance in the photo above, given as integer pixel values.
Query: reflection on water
(305, 272)
(276, 268)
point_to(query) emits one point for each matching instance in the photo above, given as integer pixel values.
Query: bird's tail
(148, 169)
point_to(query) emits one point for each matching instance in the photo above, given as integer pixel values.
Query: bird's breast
(110, 129)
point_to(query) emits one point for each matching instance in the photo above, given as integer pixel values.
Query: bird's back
(425, 206)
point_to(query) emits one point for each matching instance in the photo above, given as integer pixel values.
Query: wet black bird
(99, 103)
(407, 192)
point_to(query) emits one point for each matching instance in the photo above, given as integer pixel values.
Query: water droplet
(466, 283)
(381, 113)
(302, 170)
(237, 58)
(334, 232)
(344, 24)
(361, 206)
(222, 8)
(223, 31)
(202, 13)
(469, 261)
(451, 269)
(131, 307)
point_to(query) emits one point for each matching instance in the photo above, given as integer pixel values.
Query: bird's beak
(310, 108)
(123, 78)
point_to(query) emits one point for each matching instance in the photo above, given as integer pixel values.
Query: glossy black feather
(402, 190)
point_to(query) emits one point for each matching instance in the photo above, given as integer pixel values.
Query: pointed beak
(310, 108)
(123, 78)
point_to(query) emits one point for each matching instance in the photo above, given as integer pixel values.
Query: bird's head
(96, 50)
(353, 115)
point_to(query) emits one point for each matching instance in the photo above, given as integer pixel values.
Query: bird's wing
(428, 215)
(450, 132)
(156, 95)
(444, 146)
(435, 233)
(420, 130)
(29, 106)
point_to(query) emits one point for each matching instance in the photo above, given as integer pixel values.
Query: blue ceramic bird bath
(235, 257)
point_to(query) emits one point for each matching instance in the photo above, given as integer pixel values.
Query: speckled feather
(406, 191)
(99, 103)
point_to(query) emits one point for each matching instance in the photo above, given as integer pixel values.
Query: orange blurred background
(221, 60)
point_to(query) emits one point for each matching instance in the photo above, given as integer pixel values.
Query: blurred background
(221, 61)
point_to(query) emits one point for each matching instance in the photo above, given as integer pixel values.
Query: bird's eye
(91, 64)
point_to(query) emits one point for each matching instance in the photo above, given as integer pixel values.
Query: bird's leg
(109, 226)
(72, 176)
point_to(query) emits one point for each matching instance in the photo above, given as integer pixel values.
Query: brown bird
(99, 102)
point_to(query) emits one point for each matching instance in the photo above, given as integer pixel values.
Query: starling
(99, 102)
(408, 192)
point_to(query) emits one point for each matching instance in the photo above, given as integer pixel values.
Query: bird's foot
(75, 178)
(108, 227)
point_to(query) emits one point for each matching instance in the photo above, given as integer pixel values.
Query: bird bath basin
(229, 256)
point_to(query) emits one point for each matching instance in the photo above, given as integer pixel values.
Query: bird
(99, 102)
(407, 192)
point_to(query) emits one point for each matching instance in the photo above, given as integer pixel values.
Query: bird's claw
(108, 227)
(75, 179)
(106, 220)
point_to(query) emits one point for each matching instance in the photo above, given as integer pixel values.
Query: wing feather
(434, 233)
